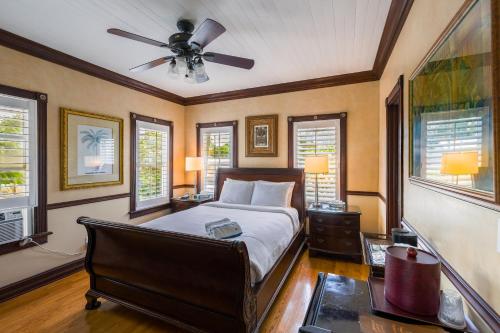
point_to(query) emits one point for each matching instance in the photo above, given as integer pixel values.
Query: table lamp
(460, 163)
(316, 165)
(194, 164)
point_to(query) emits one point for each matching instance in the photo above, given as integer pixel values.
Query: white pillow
(236, 192)
(272, 194)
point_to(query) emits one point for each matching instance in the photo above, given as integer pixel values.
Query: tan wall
(75, 90)
(465, 234)
(360, 101)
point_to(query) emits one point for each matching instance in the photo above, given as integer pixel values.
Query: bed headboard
(268, 174)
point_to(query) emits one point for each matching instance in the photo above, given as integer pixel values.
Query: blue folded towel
(223, 229)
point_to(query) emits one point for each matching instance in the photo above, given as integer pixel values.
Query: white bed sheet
(267, 231)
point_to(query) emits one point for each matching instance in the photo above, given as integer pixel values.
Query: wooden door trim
(395, 191)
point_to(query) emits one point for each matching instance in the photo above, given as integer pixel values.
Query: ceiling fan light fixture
(199, 72)
(187, 48)
(190, 76)
(173, 70)
(182, 65)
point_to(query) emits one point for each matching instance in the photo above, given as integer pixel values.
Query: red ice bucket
(412, 280)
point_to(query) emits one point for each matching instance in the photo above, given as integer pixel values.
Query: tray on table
(381, 306)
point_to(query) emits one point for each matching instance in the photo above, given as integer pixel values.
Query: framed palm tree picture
(91, 149)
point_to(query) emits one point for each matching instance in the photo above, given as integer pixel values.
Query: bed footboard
(196, 283)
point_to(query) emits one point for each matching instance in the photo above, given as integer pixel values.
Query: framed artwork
(91, 149)
(262, 136)
(453, 108)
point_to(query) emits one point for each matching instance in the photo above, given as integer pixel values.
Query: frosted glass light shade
(181, 65)
(199, 72)
(173, 70)
(460, 163)
(316, 164)
(194, 163)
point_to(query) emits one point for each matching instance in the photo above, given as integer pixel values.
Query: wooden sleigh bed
(196, 283)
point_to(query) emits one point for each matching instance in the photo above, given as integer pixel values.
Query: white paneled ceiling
(289, 40)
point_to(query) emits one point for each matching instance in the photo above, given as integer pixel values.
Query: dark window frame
(199, 126)
(40, 232)
(342, 116)
(133, 154)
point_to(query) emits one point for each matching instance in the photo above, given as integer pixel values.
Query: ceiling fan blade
(138, 38)
(207, 32)
(151, 64)
(229, 60)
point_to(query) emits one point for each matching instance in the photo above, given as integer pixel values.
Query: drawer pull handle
(319, 220)
(320, 229)
(347, 232)
(348, 243)
(347, 221)
(321, 240)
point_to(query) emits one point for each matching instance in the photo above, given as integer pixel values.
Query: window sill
(141, 212)
(15, 246)
(475, 197)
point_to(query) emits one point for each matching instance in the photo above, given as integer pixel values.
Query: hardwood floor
(59, 307)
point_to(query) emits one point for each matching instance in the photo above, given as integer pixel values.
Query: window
(22, 167)
(151, 164)
(217, 145)
(320, 135)
(446, 137)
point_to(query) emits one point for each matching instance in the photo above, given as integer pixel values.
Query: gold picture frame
(261, 136)
(89, 151)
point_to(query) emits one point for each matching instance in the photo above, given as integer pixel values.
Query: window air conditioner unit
(11, 226)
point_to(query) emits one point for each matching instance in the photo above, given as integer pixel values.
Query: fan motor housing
(179, 40)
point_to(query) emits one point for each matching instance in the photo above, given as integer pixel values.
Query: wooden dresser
(335, 232)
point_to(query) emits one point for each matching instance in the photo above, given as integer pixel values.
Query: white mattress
(267, 231)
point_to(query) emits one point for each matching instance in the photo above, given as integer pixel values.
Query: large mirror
(451, 108)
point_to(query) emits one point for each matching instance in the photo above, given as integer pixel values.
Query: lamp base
(316, 205)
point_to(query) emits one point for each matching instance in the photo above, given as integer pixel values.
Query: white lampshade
(316, 164)
(194, 163)
(460, 163)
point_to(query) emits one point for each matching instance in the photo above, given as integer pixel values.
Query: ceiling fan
(188, 48)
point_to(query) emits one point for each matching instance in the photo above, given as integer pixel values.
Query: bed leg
(92, 302)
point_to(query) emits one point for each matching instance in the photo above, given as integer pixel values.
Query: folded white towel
(223, 229)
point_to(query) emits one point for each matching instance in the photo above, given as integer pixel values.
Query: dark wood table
(342, 305)
(381, 240)
(335, 232)
(177, 204)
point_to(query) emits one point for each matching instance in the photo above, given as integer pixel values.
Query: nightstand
(177, 204)
(335, 232)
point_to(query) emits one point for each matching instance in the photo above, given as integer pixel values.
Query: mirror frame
(491, 201)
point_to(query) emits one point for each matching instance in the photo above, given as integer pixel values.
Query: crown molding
(280, 88)
(35, 49)
(396, 18)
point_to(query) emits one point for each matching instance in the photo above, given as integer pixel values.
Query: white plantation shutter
(152, 164)
(18, 155)
(442, 134)
(217, 152)
(18, 167)
(319, 137)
